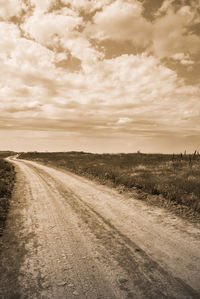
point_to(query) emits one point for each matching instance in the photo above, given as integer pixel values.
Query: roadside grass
(7, 179)
(175, 177)
(4, 154)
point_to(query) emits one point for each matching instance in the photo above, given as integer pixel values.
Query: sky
(100, 76)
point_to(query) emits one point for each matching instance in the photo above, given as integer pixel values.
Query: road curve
(68, 237)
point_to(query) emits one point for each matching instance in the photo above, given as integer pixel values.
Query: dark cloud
(71, 64)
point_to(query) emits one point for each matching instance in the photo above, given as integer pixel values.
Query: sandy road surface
(67, 237)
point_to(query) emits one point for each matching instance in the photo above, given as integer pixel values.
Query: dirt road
(68, 237)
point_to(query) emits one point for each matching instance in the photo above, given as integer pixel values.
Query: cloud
(19, 56)
(88, 55)
(121, 20)
(8, 41)
(60, 33)
(129, 93)
(164, 7)
(22, 107)
(171, 31)
(123, 120)
(185, 7)
(168, 34)
(11, 8)
(42, 6)
(183, 58)
(49, 28)
(86, 5)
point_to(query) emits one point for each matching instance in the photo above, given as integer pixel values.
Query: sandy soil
(68, 237)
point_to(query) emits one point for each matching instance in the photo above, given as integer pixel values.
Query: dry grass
(7, 178)
(4, 154)
(176, 177)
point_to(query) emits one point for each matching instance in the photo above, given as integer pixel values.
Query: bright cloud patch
(42, 6)
(49, 28)
(10, 8)
(183, 58)
(122, 20)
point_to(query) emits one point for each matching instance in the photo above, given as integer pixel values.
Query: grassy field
(175, 177)
(4, 154)
(7, 178)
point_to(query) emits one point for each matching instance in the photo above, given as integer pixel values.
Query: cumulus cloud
(171, 32)
(184, 7)
(11, 8)
(122, 20)
(59, 32)
(8, 41)
(49, 28)
(42, 6)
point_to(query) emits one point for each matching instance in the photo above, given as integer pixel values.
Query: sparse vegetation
(175, 177)
(4, 154)
(7, 178)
